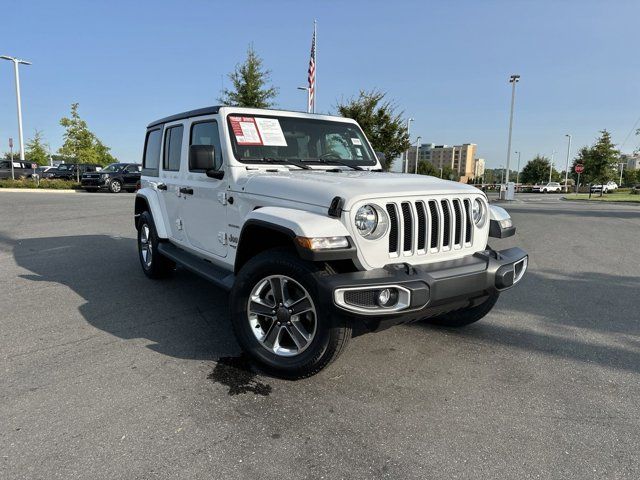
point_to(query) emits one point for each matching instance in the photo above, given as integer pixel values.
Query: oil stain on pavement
(237, 374)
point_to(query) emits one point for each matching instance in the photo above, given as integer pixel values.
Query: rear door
(171, 179)
(204, 211)
(131, 175)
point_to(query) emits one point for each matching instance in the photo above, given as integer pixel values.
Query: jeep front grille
(427, 226)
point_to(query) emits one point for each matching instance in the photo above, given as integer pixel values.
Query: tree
(249, 84)
(600, 160)
(536, 170)
(386, 129)
(37, 150)
(427, 168)
(80, 144)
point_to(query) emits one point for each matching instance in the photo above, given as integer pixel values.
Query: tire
(154, 265)
(115, 186)
(465, 316)
(326, 333)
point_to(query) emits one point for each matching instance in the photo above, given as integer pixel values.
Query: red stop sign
(579, 168)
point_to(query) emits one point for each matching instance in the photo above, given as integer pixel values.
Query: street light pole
(513, 79)
(553, 154)
(518, 172)
(406, 154)
(566, 172)
(16, 63)
(308, 97)
(417, 152)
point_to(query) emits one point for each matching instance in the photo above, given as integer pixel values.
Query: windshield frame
(311, 162)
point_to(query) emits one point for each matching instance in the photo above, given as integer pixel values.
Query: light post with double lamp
(566, 171)
(513, 79)
(406, 154)
(308, 99)
(16, 63)
(417, 152)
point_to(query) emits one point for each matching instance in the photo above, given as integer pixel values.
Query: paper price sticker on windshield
(245, 130)
(271, 132)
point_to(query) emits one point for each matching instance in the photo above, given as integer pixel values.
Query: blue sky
(444, 63)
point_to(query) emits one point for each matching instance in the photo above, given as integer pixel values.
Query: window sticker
(356, 141)
(245, 130)
(271, 132)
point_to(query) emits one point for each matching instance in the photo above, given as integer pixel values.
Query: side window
(172, 148)
(206, 133)
(151, 158)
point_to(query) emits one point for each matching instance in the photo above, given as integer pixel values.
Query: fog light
(387, 297)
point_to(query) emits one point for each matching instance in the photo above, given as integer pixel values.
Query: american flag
(312, 74)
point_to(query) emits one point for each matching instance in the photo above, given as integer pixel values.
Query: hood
(319, 187)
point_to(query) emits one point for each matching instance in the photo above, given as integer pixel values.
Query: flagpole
(315, 86)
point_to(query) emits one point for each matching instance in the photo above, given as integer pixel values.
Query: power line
(630, 132)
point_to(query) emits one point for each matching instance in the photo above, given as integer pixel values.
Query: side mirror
(382, 158)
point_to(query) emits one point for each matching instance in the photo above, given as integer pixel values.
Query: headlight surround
(371, 221)
(478, 211)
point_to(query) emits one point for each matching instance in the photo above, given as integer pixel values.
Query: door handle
(186, 190)
(161, 186)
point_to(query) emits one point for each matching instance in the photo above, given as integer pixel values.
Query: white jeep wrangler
(292, 214)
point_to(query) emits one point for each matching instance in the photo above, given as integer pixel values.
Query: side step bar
(216, 275)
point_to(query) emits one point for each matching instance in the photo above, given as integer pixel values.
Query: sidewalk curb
(40, 190)
(600, 202)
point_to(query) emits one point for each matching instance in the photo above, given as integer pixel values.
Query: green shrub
(53, 184)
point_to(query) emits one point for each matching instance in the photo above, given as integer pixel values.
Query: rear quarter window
(151, 158)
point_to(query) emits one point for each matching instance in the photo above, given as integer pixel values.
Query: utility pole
(406, 154)
(16, 63)
(518, 172)
(417, 152)
(621, 170)
(566, 172)
(513, 79)
(553, 154)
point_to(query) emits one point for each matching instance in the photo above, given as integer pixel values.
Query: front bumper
(93, 182)
(427, 290)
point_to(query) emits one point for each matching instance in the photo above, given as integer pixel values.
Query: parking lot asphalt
(106, 374)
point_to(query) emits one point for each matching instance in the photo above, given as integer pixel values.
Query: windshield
(256, 138)
(114, 167)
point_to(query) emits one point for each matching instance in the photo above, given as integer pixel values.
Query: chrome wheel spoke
(301, 306)
(277, 289)
(273, 334)
(260, 308)
(295, 330)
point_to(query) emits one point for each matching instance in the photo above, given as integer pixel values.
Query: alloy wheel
(282, 315)
(146, 248)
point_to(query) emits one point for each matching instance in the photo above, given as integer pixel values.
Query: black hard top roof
(191, 113)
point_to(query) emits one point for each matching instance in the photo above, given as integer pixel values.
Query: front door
(204, 212)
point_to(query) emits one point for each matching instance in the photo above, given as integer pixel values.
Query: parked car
(608, 187)
(40, 171)
(292, 214)
(548, 188)
(636, 189)
(115, 178)
(20, 169)
(69, 171)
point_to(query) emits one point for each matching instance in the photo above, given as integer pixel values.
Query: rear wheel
(465, 316)
(280, 319)
(154, 264)
(115, 186)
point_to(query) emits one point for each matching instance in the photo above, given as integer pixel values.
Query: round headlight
(478, 211)
(366, 220)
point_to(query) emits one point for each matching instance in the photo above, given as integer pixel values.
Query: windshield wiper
(333, 161)
(288, 161)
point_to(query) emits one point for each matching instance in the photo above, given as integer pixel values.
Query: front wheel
(465, 316)
(280, 319)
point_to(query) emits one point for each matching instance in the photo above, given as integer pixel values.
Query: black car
(69, 171)
(115, 177)
(20, 169)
